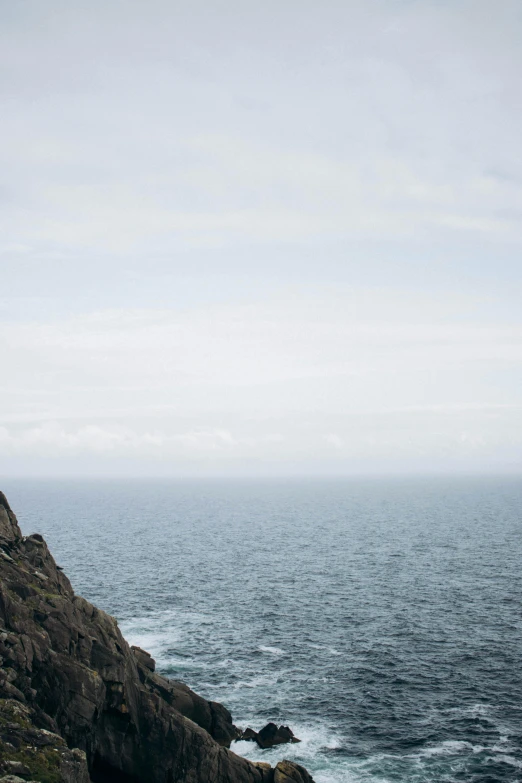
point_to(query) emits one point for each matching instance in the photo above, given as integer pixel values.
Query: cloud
(386, 124)
(50, 439)
(386, 442)
(273, 231)
(334, 440)
(297, 354)
(53, 439)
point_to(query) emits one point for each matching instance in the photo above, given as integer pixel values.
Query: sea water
(380, 619)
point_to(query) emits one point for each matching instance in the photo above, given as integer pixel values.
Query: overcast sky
(260, 238)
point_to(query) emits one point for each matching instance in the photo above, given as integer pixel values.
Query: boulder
(290, 772)
(272, 735)
(248, 735)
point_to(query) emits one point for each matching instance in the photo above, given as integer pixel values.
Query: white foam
(449, 748)
(479, 710)
(272, 650)
(503, 745)
(152, 642)
(314, 739)
(160, 633)
(510, 760)
(255, 682)
(325, 647)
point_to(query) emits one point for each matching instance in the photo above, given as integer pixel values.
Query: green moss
(52, 597)
(11, 713)
(42, 763)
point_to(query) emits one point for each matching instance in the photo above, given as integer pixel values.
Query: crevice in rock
(102, 772)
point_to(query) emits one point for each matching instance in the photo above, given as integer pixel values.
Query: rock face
(77, 704)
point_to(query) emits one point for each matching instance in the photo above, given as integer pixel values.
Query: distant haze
(276, 238)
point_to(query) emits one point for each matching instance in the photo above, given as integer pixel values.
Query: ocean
(380, 619)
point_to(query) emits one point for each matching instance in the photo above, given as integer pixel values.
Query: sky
(277, 238)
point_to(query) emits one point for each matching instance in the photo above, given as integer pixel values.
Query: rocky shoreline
(77, 704)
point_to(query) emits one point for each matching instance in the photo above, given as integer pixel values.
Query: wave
(448, 748)
(272, 650)
(325, 647)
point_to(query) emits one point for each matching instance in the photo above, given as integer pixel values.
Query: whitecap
(330, 650)
(503, 745)
(479, 710)
(255, 682)
(272, 650)
(315, 739)
(449, 748)
(510, 760)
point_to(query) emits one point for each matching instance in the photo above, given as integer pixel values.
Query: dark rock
(68, 671)
(289, 772)
(271, 735)
(248, 735)
(9, 530)
(144, 657)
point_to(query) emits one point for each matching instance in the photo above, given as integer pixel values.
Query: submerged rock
(77, 704)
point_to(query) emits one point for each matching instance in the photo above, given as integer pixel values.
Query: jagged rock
(144, 658)
(66, 664)
(271, 735)
(248, 735)
(9, 529)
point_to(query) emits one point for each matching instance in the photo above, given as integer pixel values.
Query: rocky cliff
(77, 704)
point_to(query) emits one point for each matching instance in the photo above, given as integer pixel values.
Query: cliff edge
(77, 704)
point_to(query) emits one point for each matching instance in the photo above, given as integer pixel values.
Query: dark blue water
(380, 619)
